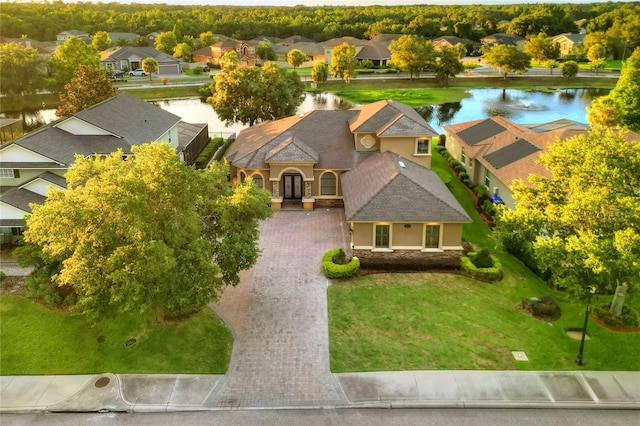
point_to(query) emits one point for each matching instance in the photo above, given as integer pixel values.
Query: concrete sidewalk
(414, 389)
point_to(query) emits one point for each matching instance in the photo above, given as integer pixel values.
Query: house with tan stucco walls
(374, 161)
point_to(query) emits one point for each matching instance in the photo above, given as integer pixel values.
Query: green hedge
(334, 270)
(488, 274)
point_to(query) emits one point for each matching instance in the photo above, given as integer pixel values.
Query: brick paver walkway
(278, 316)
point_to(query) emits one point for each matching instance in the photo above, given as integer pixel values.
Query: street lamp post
(580, 358)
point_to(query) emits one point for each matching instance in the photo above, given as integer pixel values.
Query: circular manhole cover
(102, 382)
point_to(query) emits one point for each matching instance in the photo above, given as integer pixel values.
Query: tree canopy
(145, 233)
(69, 56)
(22, 72)
(296, 57)
(508, 58)
(621, 107)
(320, 72)
(251, 94)
(101, 41)
(412, 53)
(266, 52)
(542, 48)
(89, 87)
(150, 65)
(343, 62)
(583, 223)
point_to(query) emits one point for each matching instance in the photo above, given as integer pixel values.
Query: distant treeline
(42, 21)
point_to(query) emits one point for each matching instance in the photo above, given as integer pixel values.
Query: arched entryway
(292, 188)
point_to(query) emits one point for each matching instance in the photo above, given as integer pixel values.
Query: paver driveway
(278, 316)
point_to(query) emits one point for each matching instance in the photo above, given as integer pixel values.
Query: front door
(292, 186)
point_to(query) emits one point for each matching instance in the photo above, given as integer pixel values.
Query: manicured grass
(445, 321)
(415, 97)
(38, 340)
(163, 92)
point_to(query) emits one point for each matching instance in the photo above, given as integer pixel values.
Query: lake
(519, 106)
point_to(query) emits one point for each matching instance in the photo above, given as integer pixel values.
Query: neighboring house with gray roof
(130, 58)
(505, 39)
(42, 157)
(496, 151)
(569, 43)
(62, 37)
(354, 159)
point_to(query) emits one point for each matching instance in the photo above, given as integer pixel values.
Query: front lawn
(37, 340)
(423, 321)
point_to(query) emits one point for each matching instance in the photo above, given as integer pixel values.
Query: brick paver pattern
(278, 316)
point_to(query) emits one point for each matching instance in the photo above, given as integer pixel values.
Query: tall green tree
(101, 41)
(413, 54)
(508, 58)
(207, 39)
(69, 56)
(597, 55)
(448, 64)
(266, 52)
(542, 48)
(150, 66)
(166, 42)
(583, 223)
(320, 73)
(249, 94)
(22, 73)
(145, 234)
(89, 87)
(183, 51)
(343, 62)
(296, 57)
(621, 107)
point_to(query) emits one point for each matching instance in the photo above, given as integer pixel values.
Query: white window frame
(335, 192)
(424, 237)
(7, 173)
(463, 158)
(428, 143)
(487, 178)
(375, 237)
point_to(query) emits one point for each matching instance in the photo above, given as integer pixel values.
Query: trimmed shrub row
(336, 270)
(492, 273)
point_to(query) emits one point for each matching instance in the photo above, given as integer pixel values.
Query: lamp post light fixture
(580, 358)
(353, 246)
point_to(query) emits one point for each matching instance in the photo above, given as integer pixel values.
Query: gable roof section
(386, 187)
(292, 149)
(390, 118)
(130, 118)
(511, 153)
(325, 133)
(481, 131)
(139, 52)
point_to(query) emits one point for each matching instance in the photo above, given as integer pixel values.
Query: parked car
(138, 71)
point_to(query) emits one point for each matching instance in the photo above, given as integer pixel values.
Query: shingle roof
(390, 118)
(21, 198)
(324, 132)
(140, 52)
(386, 187)
(292, 149)
(129, 117)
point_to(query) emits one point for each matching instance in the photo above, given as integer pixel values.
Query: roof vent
(401, 164)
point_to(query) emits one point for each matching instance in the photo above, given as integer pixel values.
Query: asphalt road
(346, 417)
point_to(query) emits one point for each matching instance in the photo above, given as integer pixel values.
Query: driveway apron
(278, 316)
